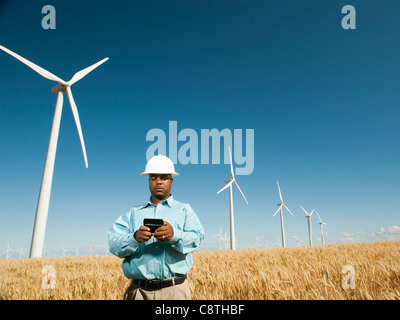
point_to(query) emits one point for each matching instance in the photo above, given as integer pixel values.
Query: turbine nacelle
(320, 220)
(229, 182)
(308, 215)
(282, 204)
(59, 87)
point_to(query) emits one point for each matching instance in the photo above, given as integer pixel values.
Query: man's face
(160, 185)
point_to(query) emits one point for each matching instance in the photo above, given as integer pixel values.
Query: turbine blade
(277, 210)
(318, 216)
(288, 210)
(304, 210)
(230, 161)
(240, 191)
(280, 194)
(40, 70)
(312, 212)
(77, 122)
(228, 184)
(80, 74)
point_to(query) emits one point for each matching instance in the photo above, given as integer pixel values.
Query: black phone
(153, 224)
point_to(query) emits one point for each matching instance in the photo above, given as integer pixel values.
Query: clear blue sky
(323, 103)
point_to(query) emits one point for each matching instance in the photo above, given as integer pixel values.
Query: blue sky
(323, 103)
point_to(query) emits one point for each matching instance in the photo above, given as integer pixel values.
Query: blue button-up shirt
(155, 259)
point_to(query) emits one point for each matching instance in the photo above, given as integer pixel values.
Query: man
(157, 262)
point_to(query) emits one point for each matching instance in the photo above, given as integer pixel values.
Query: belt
(159, 284)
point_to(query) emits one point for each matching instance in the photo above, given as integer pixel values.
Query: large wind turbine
(229, 183)
(281, 205)
(308, 217)
(45, 188)
(322, 228)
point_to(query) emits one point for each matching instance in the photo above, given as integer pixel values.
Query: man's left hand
(164, 233)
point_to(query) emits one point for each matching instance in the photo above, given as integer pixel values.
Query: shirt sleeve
(121, 240)
(188, 237)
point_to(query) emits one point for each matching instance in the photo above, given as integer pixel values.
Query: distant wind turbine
(257, 241)
(7, 251)
(225, 239)
(281, 205)
(44, 251)
(219, 235)
(229, 183)
(308, 217)
(90, 251)
(298, 241)
(321, 224)
(21, 252)
(45, 188)
(106, 251)
(64, 251)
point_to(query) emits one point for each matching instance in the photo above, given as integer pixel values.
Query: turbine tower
(45, 188)
(281, 205)
(308, 217)
(321, 224)
(229, 183)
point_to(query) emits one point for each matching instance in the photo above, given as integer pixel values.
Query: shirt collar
(169, 202)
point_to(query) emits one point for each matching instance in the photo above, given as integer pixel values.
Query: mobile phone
(153, 224)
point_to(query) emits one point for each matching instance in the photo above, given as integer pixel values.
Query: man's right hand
(143, 234)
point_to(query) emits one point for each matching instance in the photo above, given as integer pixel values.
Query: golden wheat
(256, 274)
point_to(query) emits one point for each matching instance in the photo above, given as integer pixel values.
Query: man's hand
(164, 233)
(143, 234)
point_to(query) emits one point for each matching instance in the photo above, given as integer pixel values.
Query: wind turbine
(308, 217)
(8, 250)
(44, 251)
(298, 241)
(281, 205)
(90, 251)
(257, 241)
(64, 250)
(322, 228)
(45, 188)
(106, 251)
(225, 239)
(219, 235)
(229, 183)
(21, 252)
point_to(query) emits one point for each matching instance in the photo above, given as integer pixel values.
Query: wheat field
(301, 273)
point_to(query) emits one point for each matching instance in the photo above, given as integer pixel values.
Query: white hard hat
(159, 165)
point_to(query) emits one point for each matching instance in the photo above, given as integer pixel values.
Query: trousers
(176, 292)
